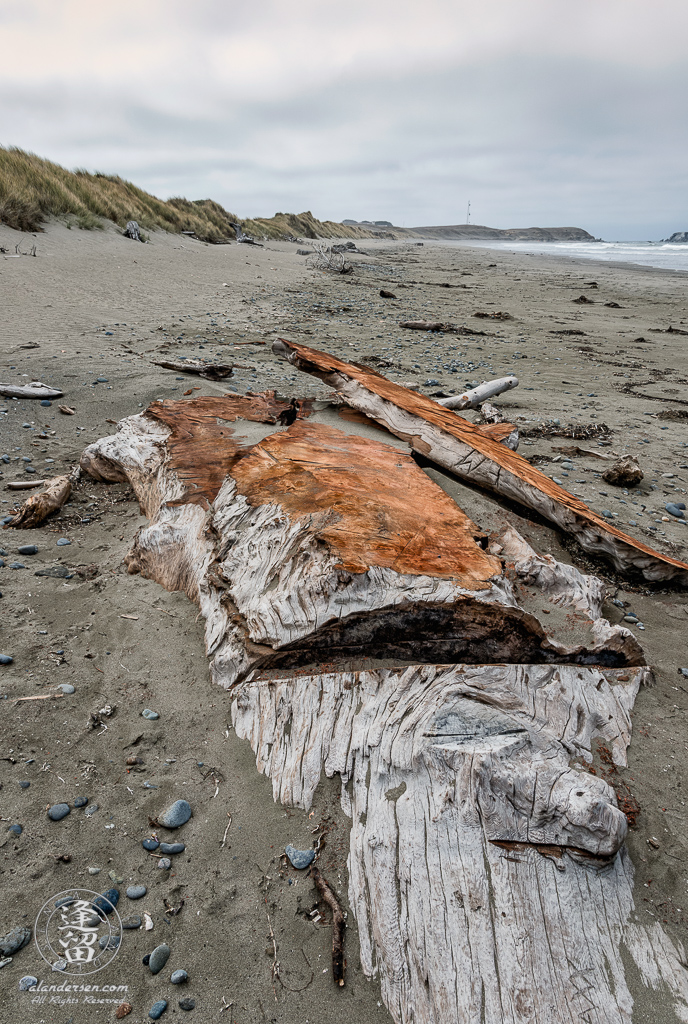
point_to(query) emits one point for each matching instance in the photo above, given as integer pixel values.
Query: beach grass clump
(34, 190)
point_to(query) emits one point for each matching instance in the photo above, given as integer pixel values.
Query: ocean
(665, 255)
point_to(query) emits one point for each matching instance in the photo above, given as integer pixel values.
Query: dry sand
(96, 305)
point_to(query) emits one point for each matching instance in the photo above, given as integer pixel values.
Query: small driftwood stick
(338, 924)
(475, 396)
(36, 508)
(24, 485)
(427, 325)
(211, 371)
(35, 389)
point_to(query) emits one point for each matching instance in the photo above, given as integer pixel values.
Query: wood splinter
(338, 925)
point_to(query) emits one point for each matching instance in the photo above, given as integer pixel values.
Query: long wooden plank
(456, 444)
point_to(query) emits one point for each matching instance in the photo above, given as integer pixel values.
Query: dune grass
(34, 190)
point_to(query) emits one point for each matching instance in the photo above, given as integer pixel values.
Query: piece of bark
(23, 485)
(474, 397)
(66, 410)
(36, 389)
(487, 873)
(625, 472)
(36, 508)
(211, 371)
(313, 544)
(459, 446)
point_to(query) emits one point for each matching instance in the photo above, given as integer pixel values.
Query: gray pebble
(46, 401)
(179, 977)
(675, 509)
(607, 514)
(94, 871)
(159, 957)
(187, 1004)
(66, 901)
(131, 922)
(16, 829)
(62, 542)
(66, 688)
(630, 618)
(164, 863)
(299, 858)
(15, 940)
(150, 715)
(108, 941)
(157, 1009)
(16, 565)
(102, 380)
(80, 801)
(6, 659)
(150, 844)
(135, 892)
(172, 847)
(27, 982)
(684, 672)
(91, 810)
(59, 965)
(176, 815)
(24, 784)
(27, 549)
(58, 811)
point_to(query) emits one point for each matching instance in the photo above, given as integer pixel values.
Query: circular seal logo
(78, 932)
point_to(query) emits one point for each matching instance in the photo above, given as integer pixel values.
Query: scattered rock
(108, 941)
(157, 1009)
(108, 901)
(159, 958)
(624, 472)
(27, 982)
(164, 863)
(90, 811)
(150, 715)
(187, 1004)
(27, 549)
(384, 294)
(176, 815)
(676, 508)
(24, 784)
(123, 1010)
(131, 922)
(58, 811)
(15, 829)
(57, 572)
(15, 940)
(150, 844)
(6, 659)
(179, 977)
(94, 871)
(80, 801)
(135, 892)
(62, 542)
(67, 688)
(299, 858)
(172, 848)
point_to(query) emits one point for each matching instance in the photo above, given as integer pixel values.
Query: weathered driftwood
(242, 238)
(487, 870)
(133, 231)
(36, 389)
(312, 544)
(474, 397)
(459, 446)
(338, 924)
(36, 508)
(427, 325)
(24, 485)
(210, 371)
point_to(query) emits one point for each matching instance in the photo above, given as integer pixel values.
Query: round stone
(24, 784)
(179, 977)
(675, 509)
(81, 801)
(159, 957)
(299, 858)
(135, 892)
(6, 659)
(46, 402)
(15, 940)
(27, 549)
(187, 1004)
(62, 542)
(176, 815)
(91, 810)
(27, 983)
(132, 922)
(164, 863)
(15, 829)
(109, 941)
(108, 901)
(150, 715)
(172, 847)
(66, 688)
(150, 844)
(157, 1009)
(102, 380)
(58, 811)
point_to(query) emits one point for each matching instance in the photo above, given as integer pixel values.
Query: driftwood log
(457, 445)
(132, 231)
(36, 389)
(210, 371)
(487, 867)
(474, 397)
(39, 506)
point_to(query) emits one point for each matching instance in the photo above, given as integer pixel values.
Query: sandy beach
(90, 313)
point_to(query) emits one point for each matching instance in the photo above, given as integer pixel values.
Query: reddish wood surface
(369, 502)
(323, 365)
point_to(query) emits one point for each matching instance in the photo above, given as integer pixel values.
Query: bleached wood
(36, 389)
(474, 397)
(440, 765)
(458, 446)
(36, 508)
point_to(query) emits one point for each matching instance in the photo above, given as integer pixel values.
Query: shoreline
(97, 305)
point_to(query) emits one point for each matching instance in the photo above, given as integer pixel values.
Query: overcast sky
(541, 112)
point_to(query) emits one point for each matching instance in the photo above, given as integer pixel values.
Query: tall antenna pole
(468, 213)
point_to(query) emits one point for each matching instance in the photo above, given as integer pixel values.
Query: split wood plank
(456, 444)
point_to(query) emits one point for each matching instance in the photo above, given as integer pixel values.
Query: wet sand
(93, 305)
